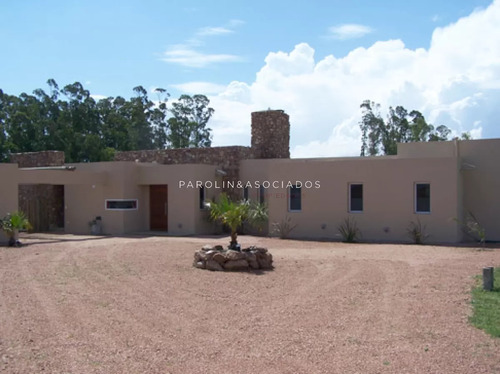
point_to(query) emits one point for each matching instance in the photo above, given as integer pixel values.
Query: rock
(259, 249)
(213, 265)
(210, 254)
(216, 258)
(236, 265)
(219, 258)
(198, 256)
(252, 260)
(231, 255)
(199, 264)
(265, 260)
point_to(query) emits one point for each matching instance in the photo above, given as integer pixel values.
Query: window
(202, 197)
(295, 199)
(355, 197)
(245, 193)
(121, 204)
(422, 198)
(262, 194)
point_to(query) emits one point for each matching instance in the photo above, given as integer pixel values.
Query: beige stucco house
(434, 183)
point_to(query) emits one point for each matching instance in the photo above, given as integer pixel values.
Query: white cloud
(349, 31)
(98, 97)
(204, 88)
(188, 56)
(456, 82)
(210, 31)
(188, 53)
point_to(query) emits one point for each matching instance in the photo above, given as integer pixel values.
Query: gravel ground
(72, 304)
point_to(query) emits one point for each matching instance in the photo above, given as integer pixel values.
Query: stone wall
(271, 134)
(270, 139)
(42, 203)
(38, 159)
(226, 158)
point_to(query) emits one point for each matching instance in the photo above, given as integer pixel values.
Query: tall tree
(71, 120)
(381, 137)
(188, 126)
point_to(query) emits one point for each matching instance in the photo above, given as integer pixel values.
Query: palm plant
(12, 223)
(233, 214)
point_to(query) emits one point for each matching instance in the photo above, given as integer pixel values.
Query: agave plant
(349, 230)
(233, 214)
(12, 223)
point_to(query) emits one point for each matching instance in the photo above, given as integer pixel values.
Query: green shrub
(417, 233)
(283, 228)
(473, 228)
(349, 231)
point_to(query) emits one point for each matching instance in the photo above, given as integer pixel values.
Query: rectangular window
(262, 195)
(422, 198)
(121, 204)
(295, 199)
(355, 197)
(245, 193)
(202, 197)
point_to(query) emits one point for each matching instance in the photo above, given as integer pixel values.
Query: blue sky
(317, 60)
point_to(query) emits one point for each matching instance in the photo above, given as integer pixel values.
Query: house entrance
(158, 207)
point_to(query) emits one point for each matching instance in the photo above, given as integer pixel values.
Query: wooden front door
(158, 207)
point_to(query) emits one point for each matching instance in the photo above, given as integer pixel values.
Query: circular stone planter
(216, 258)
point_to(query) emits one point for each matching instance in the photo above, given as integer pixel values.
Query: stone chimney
(270, 134)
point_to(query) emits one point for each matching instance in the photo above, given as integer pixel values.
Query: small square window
(355, 197)
(295, 199)
(121, 204)
(422, 198)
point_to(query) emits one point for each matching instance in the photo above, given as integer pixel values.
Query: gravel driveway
(72, 304)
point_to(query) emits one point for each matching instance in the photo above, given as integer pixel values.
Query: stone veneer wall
(270, 139)
(38, 159)
(271, 134)
(42, 203)
(226, 158)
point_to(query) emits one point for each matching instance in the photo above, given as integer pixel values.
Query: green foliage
(473, 228)
(188, 126)
(283, 228)
(349, 230)
(233, 214)
(257, 215)
(69, 119)
(381, 137)
(417, 232)
(13, 223)
(486, 307)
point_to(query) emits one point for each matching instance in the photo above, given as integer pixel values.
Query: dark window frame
(202, 198)
(422, 198)
(295, 199)
(262, 194)
(121, 204)
(358, 206)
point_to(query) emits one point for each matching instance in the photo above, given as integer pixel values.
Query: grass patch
(486, 306)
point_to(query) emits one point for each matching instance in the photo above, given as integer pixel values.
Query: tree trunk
(234, 241)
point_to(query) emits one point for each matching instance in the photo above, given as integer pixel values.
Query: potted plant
(12, 223)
